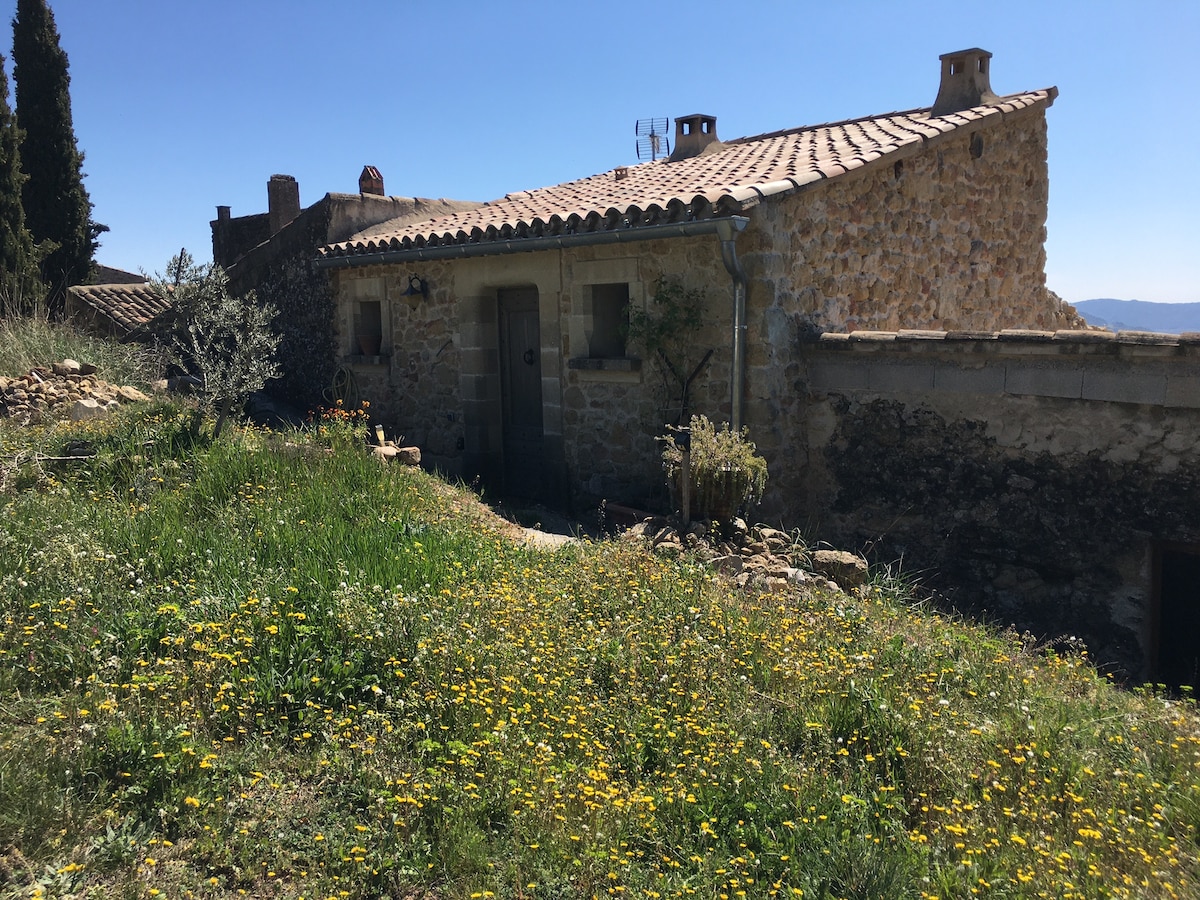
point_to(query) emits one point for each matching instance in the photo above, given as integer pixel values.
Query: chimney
(694, 135)
(965, 82)
(370, 181)
(283, 201)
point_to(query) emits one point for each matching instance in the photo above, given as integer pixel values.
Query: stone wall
(282, 272)
(232, 237)
(413, 383)
(612, 416)
(1027, 477)
(949, 237)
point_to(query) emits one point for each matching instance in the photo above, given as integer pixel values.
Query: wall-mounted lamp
(417, 286)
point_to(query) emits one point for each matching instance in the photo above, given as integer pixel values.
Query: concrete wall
(1028, 476)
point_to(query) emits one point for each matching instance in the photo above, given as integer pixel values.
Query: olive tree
(228, 342)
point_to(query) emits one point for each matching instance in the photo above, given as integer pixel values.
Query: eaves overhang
(724, 227)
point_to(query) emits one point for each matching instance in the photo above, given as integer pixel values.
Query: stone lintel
(971, 335)
(898, 378)
(834, 340)
(1148, 337)
(1043, 382)
(1026, 334)
(840, 375)
(1125, 387)
(987, 380)
(1084, 337)
(1183, 391)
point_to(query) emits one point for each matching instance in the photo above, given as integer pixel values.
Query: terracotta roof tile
(741, 174)
(129, 305)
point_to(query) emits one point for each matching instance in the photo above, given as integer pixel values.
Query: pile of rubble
(68, 389)
(755, 557)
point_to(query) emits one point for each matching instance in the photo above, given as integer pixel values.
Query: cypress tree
(19, 288)
(57, 208)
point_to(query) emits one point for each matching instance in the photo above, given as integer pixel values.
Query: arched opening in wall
(1176, 647)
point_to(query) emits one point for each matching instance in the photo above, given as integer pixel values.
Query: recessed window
(368, 328)
(976, 146)
(609, 321)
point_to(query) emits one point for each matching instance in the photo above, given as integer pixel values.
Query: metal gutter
(547, 242)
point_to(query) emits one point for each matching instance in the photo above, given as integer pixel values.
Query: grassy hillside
(267, 666)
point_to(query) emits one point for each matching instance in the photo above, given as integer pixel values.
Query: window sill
(358, 359)
(618, 364)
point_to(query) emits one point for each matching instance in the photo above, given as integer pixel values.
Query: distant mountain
(1141, 315)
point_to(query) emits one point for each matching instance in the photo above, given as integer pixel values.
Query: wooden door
(521, 391)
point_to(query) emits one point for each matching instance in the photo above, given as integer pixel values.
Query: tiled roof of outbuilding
(129, 305)
(728, 181)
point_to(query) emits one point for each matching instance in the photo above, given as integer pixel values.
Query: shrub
(727, 474)
(229, 341)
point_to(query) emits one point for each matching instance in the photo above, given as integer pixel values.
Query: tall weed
(27, 342)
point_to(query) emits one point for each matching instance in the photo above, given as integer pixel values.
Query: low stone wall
(1030, 477)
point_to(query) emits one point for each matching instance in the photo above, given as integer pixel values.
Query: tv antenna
(652, 138)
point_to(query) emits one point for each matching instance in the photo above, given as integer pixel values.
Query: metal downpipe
(728, 233)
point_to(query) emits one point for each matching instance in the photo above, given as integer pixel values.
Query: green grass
(26, 342)
(268, 666)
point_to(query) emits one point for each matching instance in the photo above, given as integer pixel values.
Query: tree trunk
(226, 409)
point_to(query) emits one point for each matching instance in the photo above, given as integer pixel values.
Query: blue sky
(180, 107)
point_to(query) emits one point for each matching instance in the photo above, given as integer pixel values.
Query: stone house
(272, 253)
(500, 343)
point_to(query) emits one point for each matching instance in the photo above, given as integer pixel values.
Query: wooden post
(683, 437)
